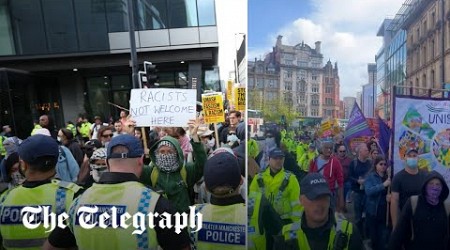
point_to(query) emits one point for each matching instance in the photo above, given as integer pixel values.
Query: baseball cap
(276, 152)
(222, 170)
(314, 185)
(133, 145)
(37, 146)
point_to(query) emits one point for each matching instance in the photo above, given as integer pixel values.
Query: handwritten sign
(229, 90)
(163, 107)
(213, 107)
(239, 96)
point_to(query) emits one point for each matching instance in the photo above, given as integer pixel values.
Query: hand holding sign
(194, 124)
(163, 107)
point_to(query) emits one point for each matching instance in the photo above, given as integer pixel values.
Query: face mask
(211, 143)
(106, 144)
(97, 171)
(59, 139)
(433, 193)
(412, 162)
(167, 162)
(17, 178)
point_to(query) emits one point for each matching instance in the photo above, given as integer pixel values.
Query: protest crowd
(336, 189)
(158, 169)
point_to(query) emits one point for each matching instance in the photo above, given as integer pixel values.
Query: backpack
(414, 200)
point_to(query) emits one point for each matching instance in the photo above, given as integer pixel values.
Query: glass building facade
(74, 54)
(40, 27)
(395, 65)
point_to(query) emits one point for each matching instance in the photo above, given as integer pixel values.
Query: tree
(274, 109)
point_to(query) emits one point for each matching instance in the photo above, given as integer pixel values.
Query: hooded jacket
(172, 184)
(429, 223)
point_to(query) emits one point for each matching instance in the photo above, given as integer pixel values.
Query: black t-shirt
(407, 185)
(167, 238)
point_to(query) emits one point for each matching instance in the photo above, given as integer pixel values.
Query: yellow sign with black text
(239, 98)
(213, 108)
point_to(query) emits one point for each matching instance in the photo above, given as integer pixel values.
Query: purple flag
(385, 135)
(357, 125)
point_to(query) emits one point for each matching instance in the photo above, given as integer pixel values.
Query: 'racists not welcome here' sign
(163, 107)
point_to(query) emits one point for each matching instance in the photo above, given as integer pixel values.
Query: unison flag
(357, 125)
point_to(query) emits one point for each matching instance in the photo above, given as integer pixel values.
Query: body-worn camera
(340, 241)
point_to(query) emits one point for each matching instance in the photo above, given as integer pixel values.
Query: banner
(239, 98)
(163, 107)
(357, 130)
(213, 108)
(422, 124)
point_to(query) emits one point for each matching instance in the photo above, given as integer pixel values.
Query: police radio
(340, 240)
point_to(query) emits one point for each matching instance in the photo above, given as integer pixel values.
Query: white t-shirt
(95, 129)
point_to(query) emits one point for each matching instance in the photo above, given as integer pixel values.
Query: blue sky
(266, 16)
(346, 28)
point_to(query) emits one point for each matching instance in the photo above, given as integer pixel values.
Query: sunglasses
(108, 135)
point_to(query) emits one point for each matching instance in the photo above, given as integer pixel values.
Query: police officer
(263, 222)
(120, 187)
(224, 220)
(318, 227)
(280, 187)
(38, 157)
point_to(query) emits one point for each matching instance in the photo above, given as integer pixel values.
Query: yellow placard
(239, 98)
(213, 108)
(229, 90)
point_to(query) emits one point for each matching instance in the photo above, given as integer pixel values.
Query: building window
(424, 81)
(329, 101)
(432, 79)
(433, 18)
(315, 88)
(182, 13)
(314, 77)
(206, 12)
(432, 49)
(424, 54)
(329, 89)
(288, 85)
(151, 15)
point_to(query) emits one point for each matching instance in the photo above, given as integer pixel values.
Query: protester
(234, 118)
(223, 179)
(118, 128)
(105, 134)
(280, 187)
(38, 157)
(93, 130)
(66, 138)
(375, 186)
(374, 153)
(405, 183)
(169, 175)
(84, 177)
(424, 221)
(125, 162)
(318, 228)
(358, 170)
(47, 123)
(10, 144)
(330, 167)
(6, 131)
(14, 178)
(345, 161)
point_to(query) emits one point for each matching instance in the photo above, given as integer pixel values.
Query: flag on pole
(357, 125)
(385, 135)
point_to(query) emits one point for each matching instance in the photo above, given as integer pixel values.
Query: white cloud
(347, 29)
(229, 27)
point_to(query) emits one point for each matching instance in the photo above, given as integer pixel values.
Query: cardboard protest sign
(163, 107)
(213, 107)
(239, 98)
